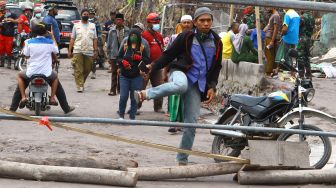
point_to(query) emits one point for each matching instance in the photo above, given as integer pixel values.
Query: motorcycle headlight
(310, 94)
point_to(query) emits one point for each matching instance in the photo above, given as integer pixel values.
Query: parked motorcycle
(278, 110)
(38, 94)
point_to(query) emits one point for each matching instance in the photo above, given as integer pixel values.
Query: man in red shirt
(23, 21)
(155, 41)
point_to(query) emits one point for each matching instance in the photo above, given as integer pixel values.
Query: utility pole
(260, 51)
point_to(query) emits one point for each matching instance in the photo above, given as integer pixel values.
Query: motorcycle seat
(38, 76)
(247, 100)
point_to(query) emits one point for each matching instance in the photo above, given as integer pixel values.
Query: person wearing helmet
(101, 55)
(23, 21)
(7, 31)
(37, 18)
(51, 22)
(155, 41)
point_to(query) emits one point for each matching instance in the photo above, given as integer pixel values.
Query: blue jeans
(192, 105)
(127, 88)
(177, 84)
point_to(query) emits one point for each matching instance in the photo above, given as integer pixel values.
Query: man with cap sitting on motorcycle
(40, 52)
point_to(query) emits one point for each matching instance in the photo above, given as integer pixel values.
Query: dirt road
(30, 141)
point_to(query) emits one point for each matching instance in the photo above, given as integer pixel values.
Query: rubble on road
(324, 67)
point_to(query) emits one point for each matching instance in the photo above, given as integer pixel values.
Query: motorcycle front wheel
(20, 63)
(219, 144)
(320, 146)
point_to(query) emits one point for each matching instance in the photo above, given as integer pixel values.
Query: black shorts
(51, 78)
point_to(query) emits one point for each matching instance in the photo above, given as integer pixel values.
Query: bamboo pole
(192, 171)
(67, 174)
(232, 7)
(260, 52)
(285, 177)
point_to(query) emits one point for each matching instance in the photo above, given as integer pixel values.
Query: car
(14, 9)
(68, 15)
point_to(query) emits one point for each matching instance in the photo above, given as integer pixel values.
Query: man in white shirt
(40, 51)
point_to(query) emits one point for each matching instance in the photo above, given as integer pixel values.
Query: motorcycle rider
(100, 58)
(7, 32)
(40, 51)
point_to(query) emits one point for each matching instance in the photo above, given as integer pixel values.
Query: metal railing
(296, 4)
(173, 124)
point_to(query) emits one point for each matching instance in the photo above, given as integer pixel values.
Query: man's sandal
(23, 103)
(53, 103)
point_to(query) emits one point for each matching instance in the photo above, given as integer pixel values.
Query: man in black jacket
(199, 56)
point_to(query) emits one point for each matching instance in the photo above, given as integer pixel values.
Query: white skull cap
(186, 17)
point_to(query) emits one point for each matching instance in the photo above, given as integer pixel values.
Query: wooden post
(286, 177)
(67, 174)
(232, 7)
(192, 171)
(257, 12)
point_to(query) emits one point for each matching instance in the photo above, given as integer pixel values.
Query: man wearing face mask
(116, 35)
(37, 17)
(51, 22)
(83, 49)
(155, 41)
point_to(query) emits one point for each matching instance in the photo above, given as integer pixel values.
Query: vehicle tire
(219, 146)
(16, 64)
(20, 63)
(326, 144)
(37, 108)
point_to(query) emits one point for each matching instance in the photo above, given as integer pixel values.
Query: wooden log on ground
(84, 162)
(192, 171)
(67, 174)
(286, 177)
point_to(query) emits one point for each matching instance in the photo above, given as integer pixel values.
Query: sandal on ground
(23, 103)
(53, 102)
(112, 93)
(139, 97)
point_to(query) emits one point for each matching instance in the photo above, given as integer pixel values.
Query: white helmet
(37, 9)
(26, 7)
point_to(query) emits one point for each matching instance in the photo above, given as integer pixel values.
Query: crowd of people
(186, 69)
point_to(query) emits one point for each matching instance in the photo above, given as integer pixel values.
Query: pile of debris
(325, 66)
